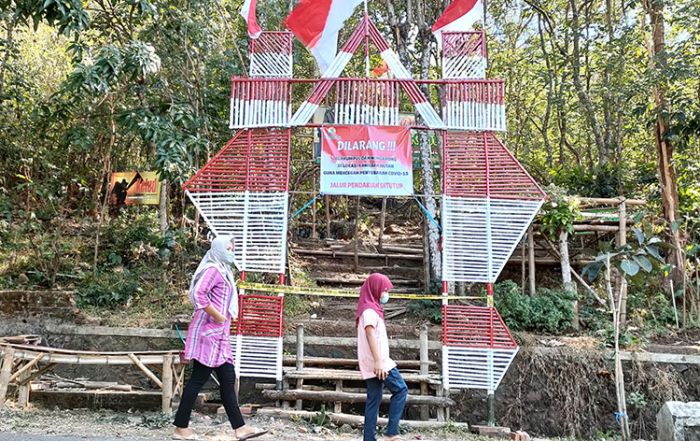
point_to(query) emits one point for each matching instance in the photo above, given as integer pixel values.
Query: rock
(678, 421)
(519, 435)
(345, 428)
(492, 431)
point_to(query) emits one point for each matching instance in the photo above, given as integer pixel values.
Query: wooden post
(163, 206)
(167, 398)
(426, 254)
(357, 225)
(23, 388)
(5, 373)
(327, 204)
(424, 370)
(440, 411)
(338, 406)
(531, 259)
(522, 265)
(314, 232)
(622, 241)
(569, 285)
(382, 223)
(490, 409)
(300, 360)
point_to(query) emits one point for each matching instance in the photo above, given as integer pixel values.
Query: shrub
(426, 310)
(108, 288)
(549, 311)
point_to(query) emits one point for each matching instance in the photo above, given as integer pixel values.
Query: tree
(664, 145)
(627, 261)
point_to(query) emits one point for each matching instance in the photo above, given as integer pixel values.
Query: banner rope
(325, 292)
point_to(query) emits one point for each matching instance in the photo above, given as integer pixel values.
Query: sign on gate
(366, 161)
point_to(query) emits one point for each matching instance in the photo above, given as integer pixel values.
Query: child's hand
(379, 371)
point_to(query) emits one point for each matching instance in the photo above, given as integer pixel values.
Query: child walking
(215, 299)
(377, 368)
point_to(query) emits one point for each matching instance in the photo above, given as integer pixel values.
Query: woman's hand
(220, 319)
(215, 315)
(379, 371)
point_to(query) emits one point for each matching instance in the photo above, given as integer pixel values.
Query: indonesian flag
(460, 16)
(248, 13)
(316, 24)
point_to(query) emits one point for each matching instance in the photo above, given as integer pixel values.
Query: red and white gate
(489, 201)
(242, 192)
(463, 55)
(477, 347)
(257, 338)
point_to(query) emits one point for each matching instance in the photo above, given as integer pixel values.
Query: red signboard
(366, 161)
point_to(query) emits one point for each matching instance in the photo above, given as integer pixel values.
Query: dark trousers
(375, 387)
(200, 374)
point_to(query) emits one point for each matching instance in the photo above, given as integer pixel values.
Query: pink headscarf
(371, 291)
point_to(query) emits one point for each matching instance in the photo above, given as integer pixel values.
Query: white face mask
(229, 257)
(384, 298)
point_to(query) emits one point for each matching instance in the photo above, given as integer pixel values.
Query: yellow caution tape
(325, 292)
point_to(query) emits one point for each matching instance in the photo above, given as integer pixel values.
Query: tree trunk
(163, 206)
(568, 284)
(621, 414)
(9, 43)
(107, 171)
(581, 91)
(664, 148)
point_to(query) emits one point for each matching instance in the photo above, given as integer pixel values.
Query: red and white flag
(460, 16)
(316, 24)
(248, 13)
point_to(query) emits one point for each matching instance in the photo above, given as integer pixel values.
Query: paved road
(23, 437)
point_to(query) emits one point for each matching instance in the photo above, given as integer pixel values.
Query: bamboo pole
(145, 370)
(622, 241)
(314, 232)
(327, 205)
(300, 361)
(167, 384)
(354, 420)
(338, 397)
(26, 367)
(5, 373)
(424, 369)
(382, 223)
(611, 201)
(531, 259)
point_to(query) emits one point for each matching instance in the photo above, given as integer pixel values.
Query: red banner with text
(366, 161)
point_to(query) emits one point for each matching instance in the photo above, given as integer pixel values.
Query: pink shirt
(207, 341)
(364, 354)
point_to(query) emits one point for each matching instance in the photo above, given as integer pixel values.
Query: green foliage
(559, 211)
(108, 289)
(158, 421)
(131, 237)
(600, 181)
(631, 258)
(549, 311)
(426, 310)
(321, 419)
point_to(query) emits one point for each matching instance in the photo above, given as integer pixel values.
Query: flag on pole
(460, 16)
(316, 24)
(248, 13)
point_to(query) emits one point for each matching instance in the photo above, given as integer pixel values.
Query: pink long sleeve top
(208, 341)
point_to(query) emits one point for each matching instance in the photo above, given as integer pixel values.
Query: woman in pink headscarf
(377, 368)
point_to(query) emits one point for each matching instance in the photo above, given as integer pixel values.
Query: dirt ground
(151, 425)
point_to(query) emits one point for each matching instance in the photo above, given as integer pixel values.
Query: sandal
(191, 437)
(255, 434)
